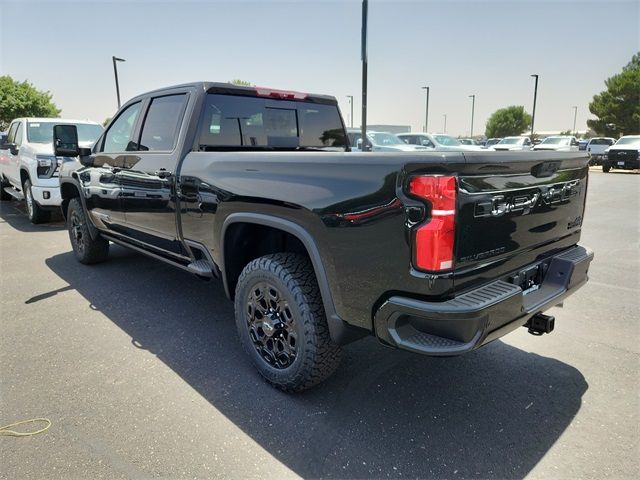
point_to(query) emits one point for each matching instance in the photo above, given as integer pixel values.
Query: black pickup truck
(433, 252)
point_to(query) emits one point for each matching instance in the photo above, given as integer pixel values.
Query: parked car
(28, 167)
(436, 253)
(513, 144)
(379, 142)
(3, 137)
(582, 143)
(596, 148)
(436, 141)
(623, 154)
(558, 143)
(491, 142)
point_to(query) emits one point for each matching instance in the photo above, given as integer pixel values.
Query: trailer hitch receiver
(540, 323)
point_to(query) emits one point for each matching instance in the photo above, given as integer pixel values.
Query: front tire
(87, 250)
(35, 212)
(282, 323)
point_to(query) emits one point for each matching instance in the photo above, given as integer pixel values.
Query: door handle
(162, 173)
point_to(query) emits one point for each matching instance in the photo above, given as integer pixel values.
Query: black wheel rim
(271, 325)
(76, 231)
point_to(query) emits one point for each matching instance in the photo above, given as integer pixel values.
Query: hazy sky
(458, 48)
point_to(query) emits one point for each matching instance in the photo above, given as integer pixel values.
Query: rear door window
(162, 122)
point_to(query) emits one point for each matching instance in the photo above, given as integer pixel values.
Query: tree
(618, 107)
(242, 83)
(21, 99)
(508, 121)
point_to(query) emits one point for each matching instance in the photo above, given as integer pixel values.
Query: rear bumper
(480, 316)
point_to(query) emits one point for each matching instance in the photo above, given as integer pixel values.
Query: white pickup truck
(28, 167)
(596, 148)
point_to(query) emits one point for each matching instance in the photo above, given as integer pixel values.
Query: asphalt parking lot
(138, 367)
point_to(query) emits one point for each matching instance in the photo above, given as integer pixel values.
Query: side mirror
(12, 147)
(86, 158)
(65, 141)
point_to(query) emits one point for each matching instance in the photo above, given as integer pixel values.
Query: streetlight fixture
(575, 114)
(115, 72)
(535, 97)
(473, 107)
(445, 123)
(350, 97)
(365, 11)
(426, 114)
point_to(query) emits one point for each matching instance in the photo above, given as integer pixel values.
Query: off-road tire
(35, 212)
(317, 356)
(606, 168)
(86, 249)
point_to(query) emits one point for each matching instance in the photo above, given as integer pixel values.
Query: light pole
(115, 72)
(365, 8)
(445, 123)
(473, 107)
(575, 114)
(426, 113)
(535, 97)
(350, 97)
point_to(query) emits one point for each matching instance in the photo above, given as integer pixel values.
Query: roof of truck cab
(56, 120)
(233, 88)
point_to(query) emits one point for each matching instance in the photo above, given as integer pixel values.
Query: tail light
(433, 244)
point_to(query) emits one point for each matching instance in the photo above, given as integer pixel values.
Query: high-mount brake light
(282, 94)
(433, 245)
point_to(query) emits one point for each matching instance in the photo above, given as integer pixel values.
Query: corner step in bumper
(481, 315)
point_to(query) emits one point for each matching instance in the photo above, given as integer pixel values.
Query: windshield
(42, 132)
(628, 141)
(382, 138)
(511, 141)
(556, 141)
(447, 140)
(231, 122)
(492, 141)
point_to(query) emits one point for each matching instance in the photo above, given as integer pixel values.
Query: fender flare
(340, 331)
(93, 230)
(25, 169)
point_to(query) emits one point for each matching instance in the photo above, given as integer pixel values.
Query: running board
(201, 268)
(14, 193)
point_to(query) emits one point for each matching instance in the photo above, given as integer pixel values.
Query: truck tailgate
(515, 209)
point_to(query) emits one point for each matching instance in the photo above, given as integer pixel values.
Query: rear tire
(35, 212)
(606, 168)
(87, 250)
(282, 324)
